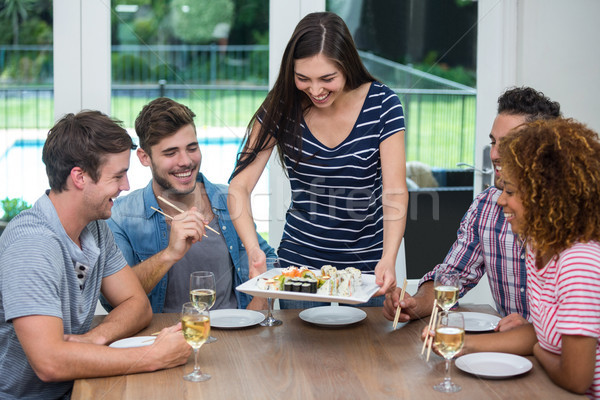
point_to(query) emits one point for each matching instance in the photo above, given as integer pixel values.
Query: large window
(26, 96)
(212, 57)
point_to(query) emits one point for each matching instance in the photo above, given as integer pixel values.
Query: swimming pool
(23, 174)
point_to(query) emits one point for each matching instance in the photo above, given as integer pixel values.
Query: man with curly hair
(485, 242)
(551, 172)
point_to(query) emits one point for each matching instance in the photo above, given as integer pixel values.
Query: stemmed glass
(270, 320)
(449, 340)
(195, 321)
(203, 292)
(446, 286)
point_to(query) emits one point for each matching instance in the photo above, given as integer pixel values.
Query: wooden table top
(298, 360)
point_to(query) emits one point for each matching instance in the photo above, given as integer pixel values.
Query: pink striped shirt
(564, 299)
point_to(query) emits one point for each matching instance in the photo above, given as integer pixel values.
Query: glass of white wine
(449, 340)
(195, 322)
(203, 291)
(446, 286)
(270, 320)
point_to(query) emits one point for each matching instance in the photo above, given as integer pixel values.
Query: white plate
(493, 365)
(332, 316)
(234, 318)
(362, 294)
(136, 341)
(480, 322)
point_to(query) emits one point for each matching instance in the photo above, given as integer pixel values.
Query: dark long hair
(282, 110)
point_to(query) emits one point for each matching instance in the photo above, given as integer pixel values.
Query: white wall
(496, 67)
(550, 45)
(81, 56)
(559, 53)
(284, 16)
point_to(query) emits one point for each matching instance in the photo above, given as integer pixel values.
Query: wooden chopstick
(433, 310)
(167, 202)
(160, 212)
(399, 308)
(165, 214)
(431, 341)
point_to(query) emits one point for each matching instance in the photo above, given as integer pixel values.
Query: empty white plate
(480, 322)
(136, 341)
(493, 365)
(332, 316)
(234, 318)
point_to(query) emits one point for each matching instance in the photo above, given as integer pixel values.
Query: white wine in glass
(206, 296)
(195, 324)
(203, 292)
(449, 340)
(446, 286)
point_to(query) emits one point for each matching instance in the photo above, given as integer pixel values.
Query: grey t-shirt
(38, 264)
(210, 254)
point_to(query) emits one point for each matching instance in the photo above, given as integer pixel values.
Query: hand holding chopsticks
(400, 308)
(167, 215)
(178, 209)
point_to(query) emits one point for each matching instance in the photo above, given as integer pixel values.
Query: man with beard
(55, 260)
(174, 248)
(485, 242)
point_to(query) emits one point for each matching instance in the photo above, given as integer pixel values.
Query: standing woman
(340, 136)
(551, 198)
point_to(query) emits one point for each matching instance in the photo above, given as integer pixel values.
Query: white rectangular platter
(362, 294)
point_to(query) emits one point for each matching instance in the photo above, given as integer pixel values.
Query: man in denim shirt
(184, 243)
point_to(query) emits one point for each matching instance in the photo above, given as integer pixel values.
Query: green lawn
(440, 128)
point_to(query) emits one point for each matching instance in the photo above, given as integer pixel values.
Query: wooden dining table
(299, 360)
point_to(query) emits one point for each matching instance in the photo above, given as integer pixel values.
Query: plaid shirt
(486, 244)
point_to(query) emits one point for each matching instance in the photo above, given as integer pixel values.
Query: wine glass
(202, 291)
(195, 323)
(449, 340)
(446, 286)
(270, 320)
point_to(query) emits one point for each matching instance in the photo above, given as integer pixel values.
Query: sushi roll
(305, 287)
(313, 285)
(356, 275)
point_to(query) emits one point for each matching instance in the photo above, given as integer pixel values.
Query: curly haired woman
(551, 197)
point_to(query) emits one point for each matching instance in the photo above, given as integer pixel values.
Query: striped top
(565, 299)
(485, 243)
(336, 214)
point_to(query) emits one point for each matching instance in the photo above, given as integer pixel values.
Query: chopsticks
(432, 320)
(167, 215)
(160, 212)
(180, 210)
(435, 316)
(399, 308)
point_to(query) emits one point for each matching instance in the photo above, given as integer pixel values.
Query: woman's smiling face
(510, 201)
(320, 79)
